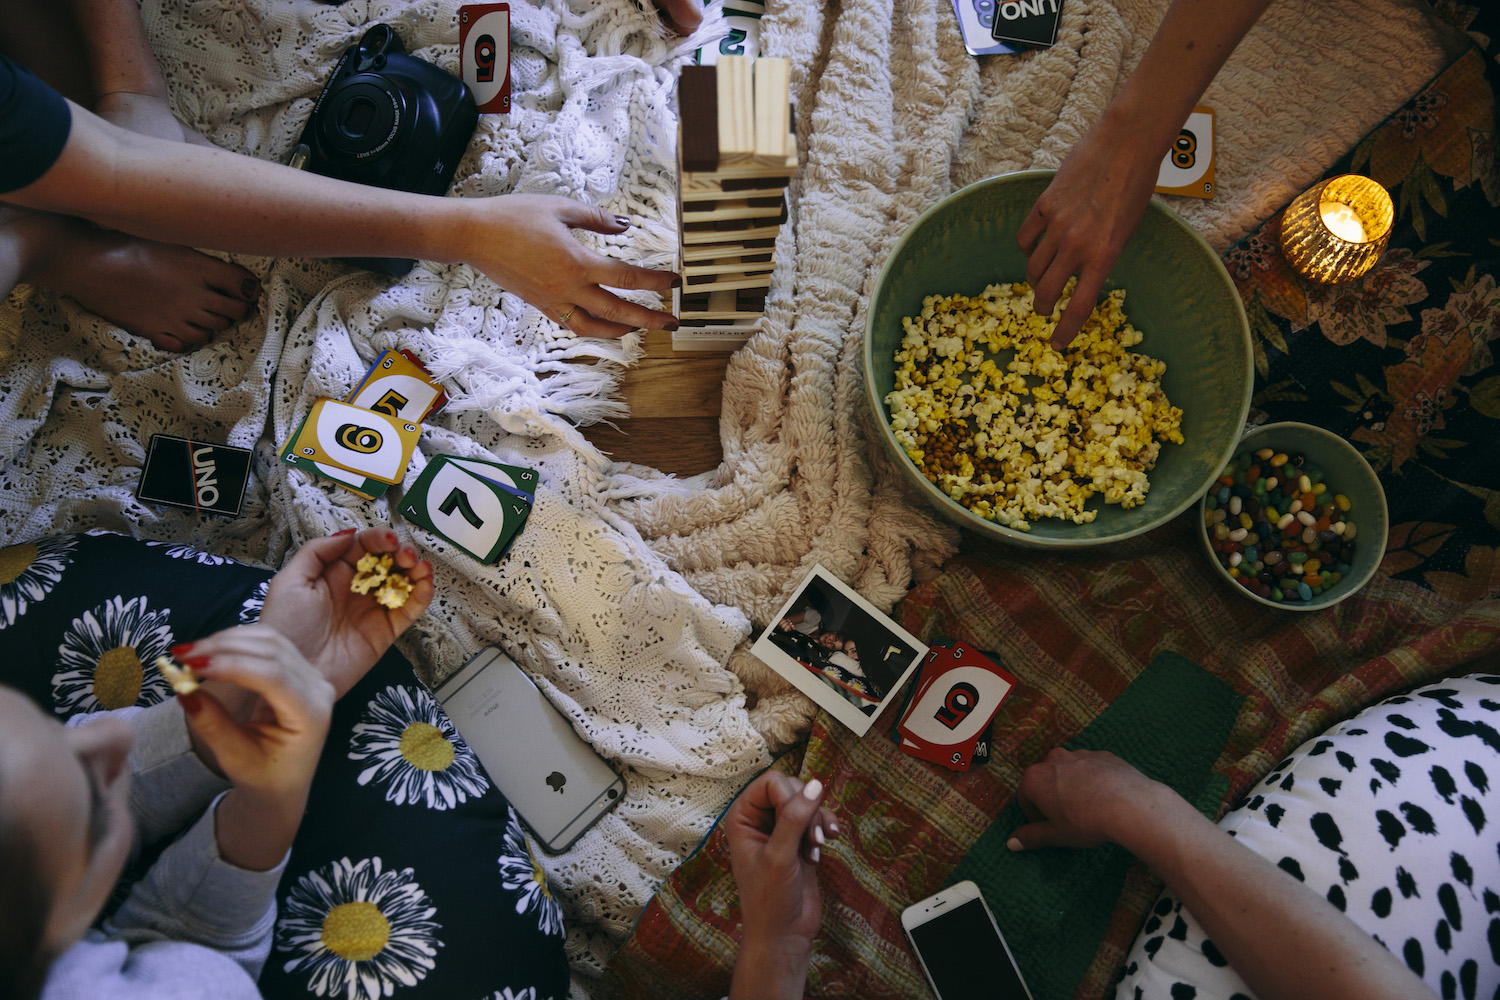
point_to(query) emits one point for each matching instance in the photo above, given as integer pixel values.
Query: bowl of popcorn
(1113, 436)
(1296, 519)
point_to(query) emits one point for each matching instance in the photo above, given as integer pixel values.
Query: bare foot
(682, 16)
(174, 296)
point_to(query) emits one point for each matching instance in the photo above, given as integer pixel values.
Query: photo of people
(839, 650)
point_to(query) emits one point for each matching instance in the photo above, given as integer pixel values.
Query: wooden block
(751, 300)
(738, 171)
(734, 209)
(725, 251)
(699, 233)
(721, 305)
(697, 116)
(765, 189)
(736, 104)
(725, 282)
(773, 123)
(738, 265)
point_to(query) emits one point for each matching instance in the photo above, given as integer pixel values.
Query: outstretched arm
(1081, 223)
(206, 197)
(1282, 938)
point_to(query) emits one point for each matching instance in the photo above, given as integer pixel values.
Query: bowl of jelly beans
(1297, 519)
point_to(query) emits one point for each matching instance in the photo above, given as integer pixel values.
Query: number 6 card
(477, 514)
(357, 440)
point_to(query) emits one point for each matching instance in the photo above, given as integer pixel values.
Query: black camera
(390, 120)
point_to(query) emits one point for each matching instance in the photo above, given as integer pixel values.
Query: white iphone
(960, 947)
(558, 784)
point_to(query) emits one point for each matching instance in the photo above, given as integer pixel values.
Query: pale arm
(1279, 936)
(1093, 206)
(206, 197)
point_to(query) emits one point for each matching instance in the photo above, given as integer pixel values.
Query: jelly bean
(1319, 489)
(1252, 473)
(1252, 553)
(1340, 527)
(1309, 502)
(1234, 572)
(1278, 460)
(1313, 580)
(1309, 537)
(1288, 583)
(1221, 532)
(1305, 517)
(1226, 480)
(1246, 521)
(1276, 594)
(1342, 501)
(1304, 484)
(1273, 558)
(1304, 591)
(1238, 535)
(1312, 566)
(1271, 483)
(1235, 559)
(1349, 532)
(1264, 454)
(1286, 519)
(1296, 558)
(1341, 567)
(1263, 530)
(1223, 494)
(1235, 505)
(1335, 577)
(1252, 506)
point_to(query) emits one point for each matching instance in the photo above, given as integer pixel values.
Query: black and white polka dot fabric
(1394, 817)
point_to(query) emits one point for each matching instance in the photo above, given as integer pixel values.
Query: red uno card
(958, 694)
(484, 54)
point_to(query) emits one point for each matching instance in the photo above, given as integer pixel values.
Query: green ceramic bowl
(1345, 471)
(1178, 295)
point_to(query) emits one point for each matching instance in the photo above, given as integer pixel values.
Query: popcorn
(181, 679)
(1050, 431)
(379, 574)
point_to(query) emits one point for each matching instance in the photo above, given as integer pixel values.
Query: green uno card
(476, 514)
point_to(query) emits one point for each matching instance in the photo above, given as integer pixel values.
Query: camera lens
(363, 117)
(613, 793)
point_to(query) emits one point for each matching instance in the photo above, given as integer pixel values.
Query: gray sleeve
(193, 895)
(169, 785)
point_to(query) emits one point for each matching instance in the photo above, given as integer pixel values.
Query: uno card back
(484, 54)
(181, 472)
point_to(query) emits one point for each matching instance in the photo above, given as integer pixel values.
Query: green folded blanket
(1054, 905)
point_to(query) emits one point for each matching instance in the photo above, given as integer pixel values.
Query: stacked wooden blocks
(735, 151)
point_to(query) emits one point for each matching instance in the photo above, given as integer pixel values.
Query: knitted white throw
(629, 592)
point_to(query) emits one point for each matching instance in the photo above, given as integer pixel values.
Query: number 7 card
(479, 514)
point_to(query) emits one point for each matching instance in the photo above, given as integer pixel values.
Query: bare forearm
(255, 830)
(210, 198)
(1195, 39)
(770, 972)
(1280, 937)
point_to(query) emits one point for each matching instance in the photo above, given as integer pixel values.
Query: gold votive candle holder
(1336, 230)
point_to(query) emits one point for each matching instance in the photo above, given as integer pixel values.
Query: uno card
(197, 475)
(1026, 22)
(484, 54)
(959, 693)
(399, 386)
(473, 512)
(1188, 167)
(357, 440)
(742, 29)
(366, 487)
(512, 477)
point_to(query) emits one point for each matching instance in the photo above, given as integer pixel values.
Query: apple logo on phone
(556, 780)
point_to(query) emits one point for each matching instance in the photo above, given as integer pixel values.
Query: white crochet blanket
(629, 592)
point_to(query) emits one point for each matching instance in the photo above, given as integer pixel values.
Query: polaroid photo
(837, 649)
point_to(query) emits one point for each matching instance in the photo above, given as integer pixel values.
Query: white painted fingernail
(812, 790)
(814, 854)
(1015, 845)
(818, 835)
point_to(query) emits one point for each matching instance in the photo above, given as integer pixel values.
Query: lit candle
(1342, 221)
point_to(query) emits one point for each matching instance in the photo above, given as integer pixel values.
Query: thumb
(1030, 836)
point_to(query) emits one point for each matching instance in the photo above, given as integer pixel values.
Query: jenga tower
(735, 152)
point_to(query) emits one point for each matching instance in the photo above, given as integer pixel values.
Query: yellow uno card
(358, 440)
(399, 387)
(1188, 167)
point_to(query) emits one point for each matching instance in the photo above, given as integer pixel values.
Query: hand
(275, 750)
(1081, 223)
(526, 246)
(342, 633)
(1083, 798)
(776, 829)
(269, 757)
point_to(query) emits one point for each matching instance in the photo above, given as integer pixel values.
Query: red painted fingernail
(390, 536)
(194, 662)
(622, 221)
(180, 649)
(346, 531)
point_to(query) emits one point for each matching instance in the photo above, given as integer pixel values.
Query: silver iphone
(558, 784)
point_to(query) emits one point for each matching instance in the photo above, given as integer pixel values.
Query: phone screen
(965, 956)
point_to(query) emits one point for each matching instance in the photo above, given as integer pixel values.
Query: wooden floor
(674, 399)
